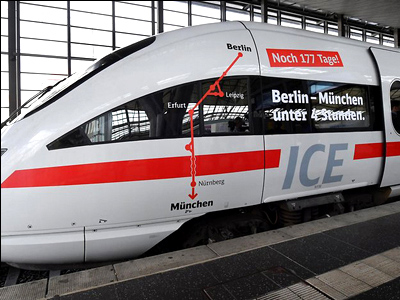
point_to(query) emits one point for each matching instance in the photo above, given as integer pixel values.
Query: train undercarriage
(224, 225)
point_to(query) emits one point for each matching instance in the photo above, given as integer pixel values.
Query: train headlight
(3, 150)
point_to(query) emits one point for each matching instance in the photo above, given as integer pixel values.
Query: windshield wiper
(39, 95)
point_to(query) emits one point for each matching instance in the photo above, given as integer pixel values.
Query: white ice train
(236, 117)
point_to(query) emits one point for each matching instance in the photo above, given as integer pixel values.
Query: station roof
(382, 12)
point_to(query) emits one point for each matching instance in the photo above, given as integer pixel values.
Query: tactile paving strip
(27, 291)
(360, 276)
(299, 290)
(345, 282)
(367, 274)
(63, 284)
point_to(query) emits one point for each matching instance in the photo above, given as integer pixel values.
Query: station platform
(350, 256)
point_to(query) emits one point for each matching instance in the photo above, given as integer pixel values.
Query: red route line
(143, 169)
(190, 147)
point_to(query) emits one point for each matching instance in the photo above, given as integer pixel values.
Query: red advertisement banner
(303, 58)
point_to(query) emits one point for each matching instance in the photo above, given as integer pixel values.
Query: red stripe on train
(372, 150)
(393, 149)
(362, 151)
(144, 169)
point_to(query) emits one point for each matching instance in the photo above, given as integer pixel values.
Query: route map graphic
(214, 90)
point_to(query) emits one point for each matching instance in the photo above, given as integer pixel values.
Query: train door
(229, 162)
(388, 63)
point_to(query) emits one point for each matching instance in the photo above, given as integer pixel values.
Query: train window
(227, 114)
(277, 106)
(395, 105)
(303, 106)
(164, 114)
(285, 106)
(338, 106)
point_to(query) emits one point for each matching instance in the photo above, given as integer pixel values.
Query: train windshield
(52, 93)
(42, 97)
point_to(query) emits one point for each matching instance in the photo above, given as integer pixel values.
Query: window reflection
(340, 106)
(395, 105)
(272, 106)
(300, 106)
(228, 113)
(164, 114)
(282, 117)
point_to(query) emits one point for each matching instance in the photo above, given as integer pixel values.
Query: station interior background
(43, 42)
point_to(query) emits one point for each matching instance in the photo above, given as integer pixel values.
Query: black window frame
(249, 107)
(373, 99)
(395, 116)
(56, 144)
(373, 104)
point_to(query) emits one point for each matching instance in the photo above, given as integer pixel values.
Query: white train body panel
(327, 168)
(116, 200)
